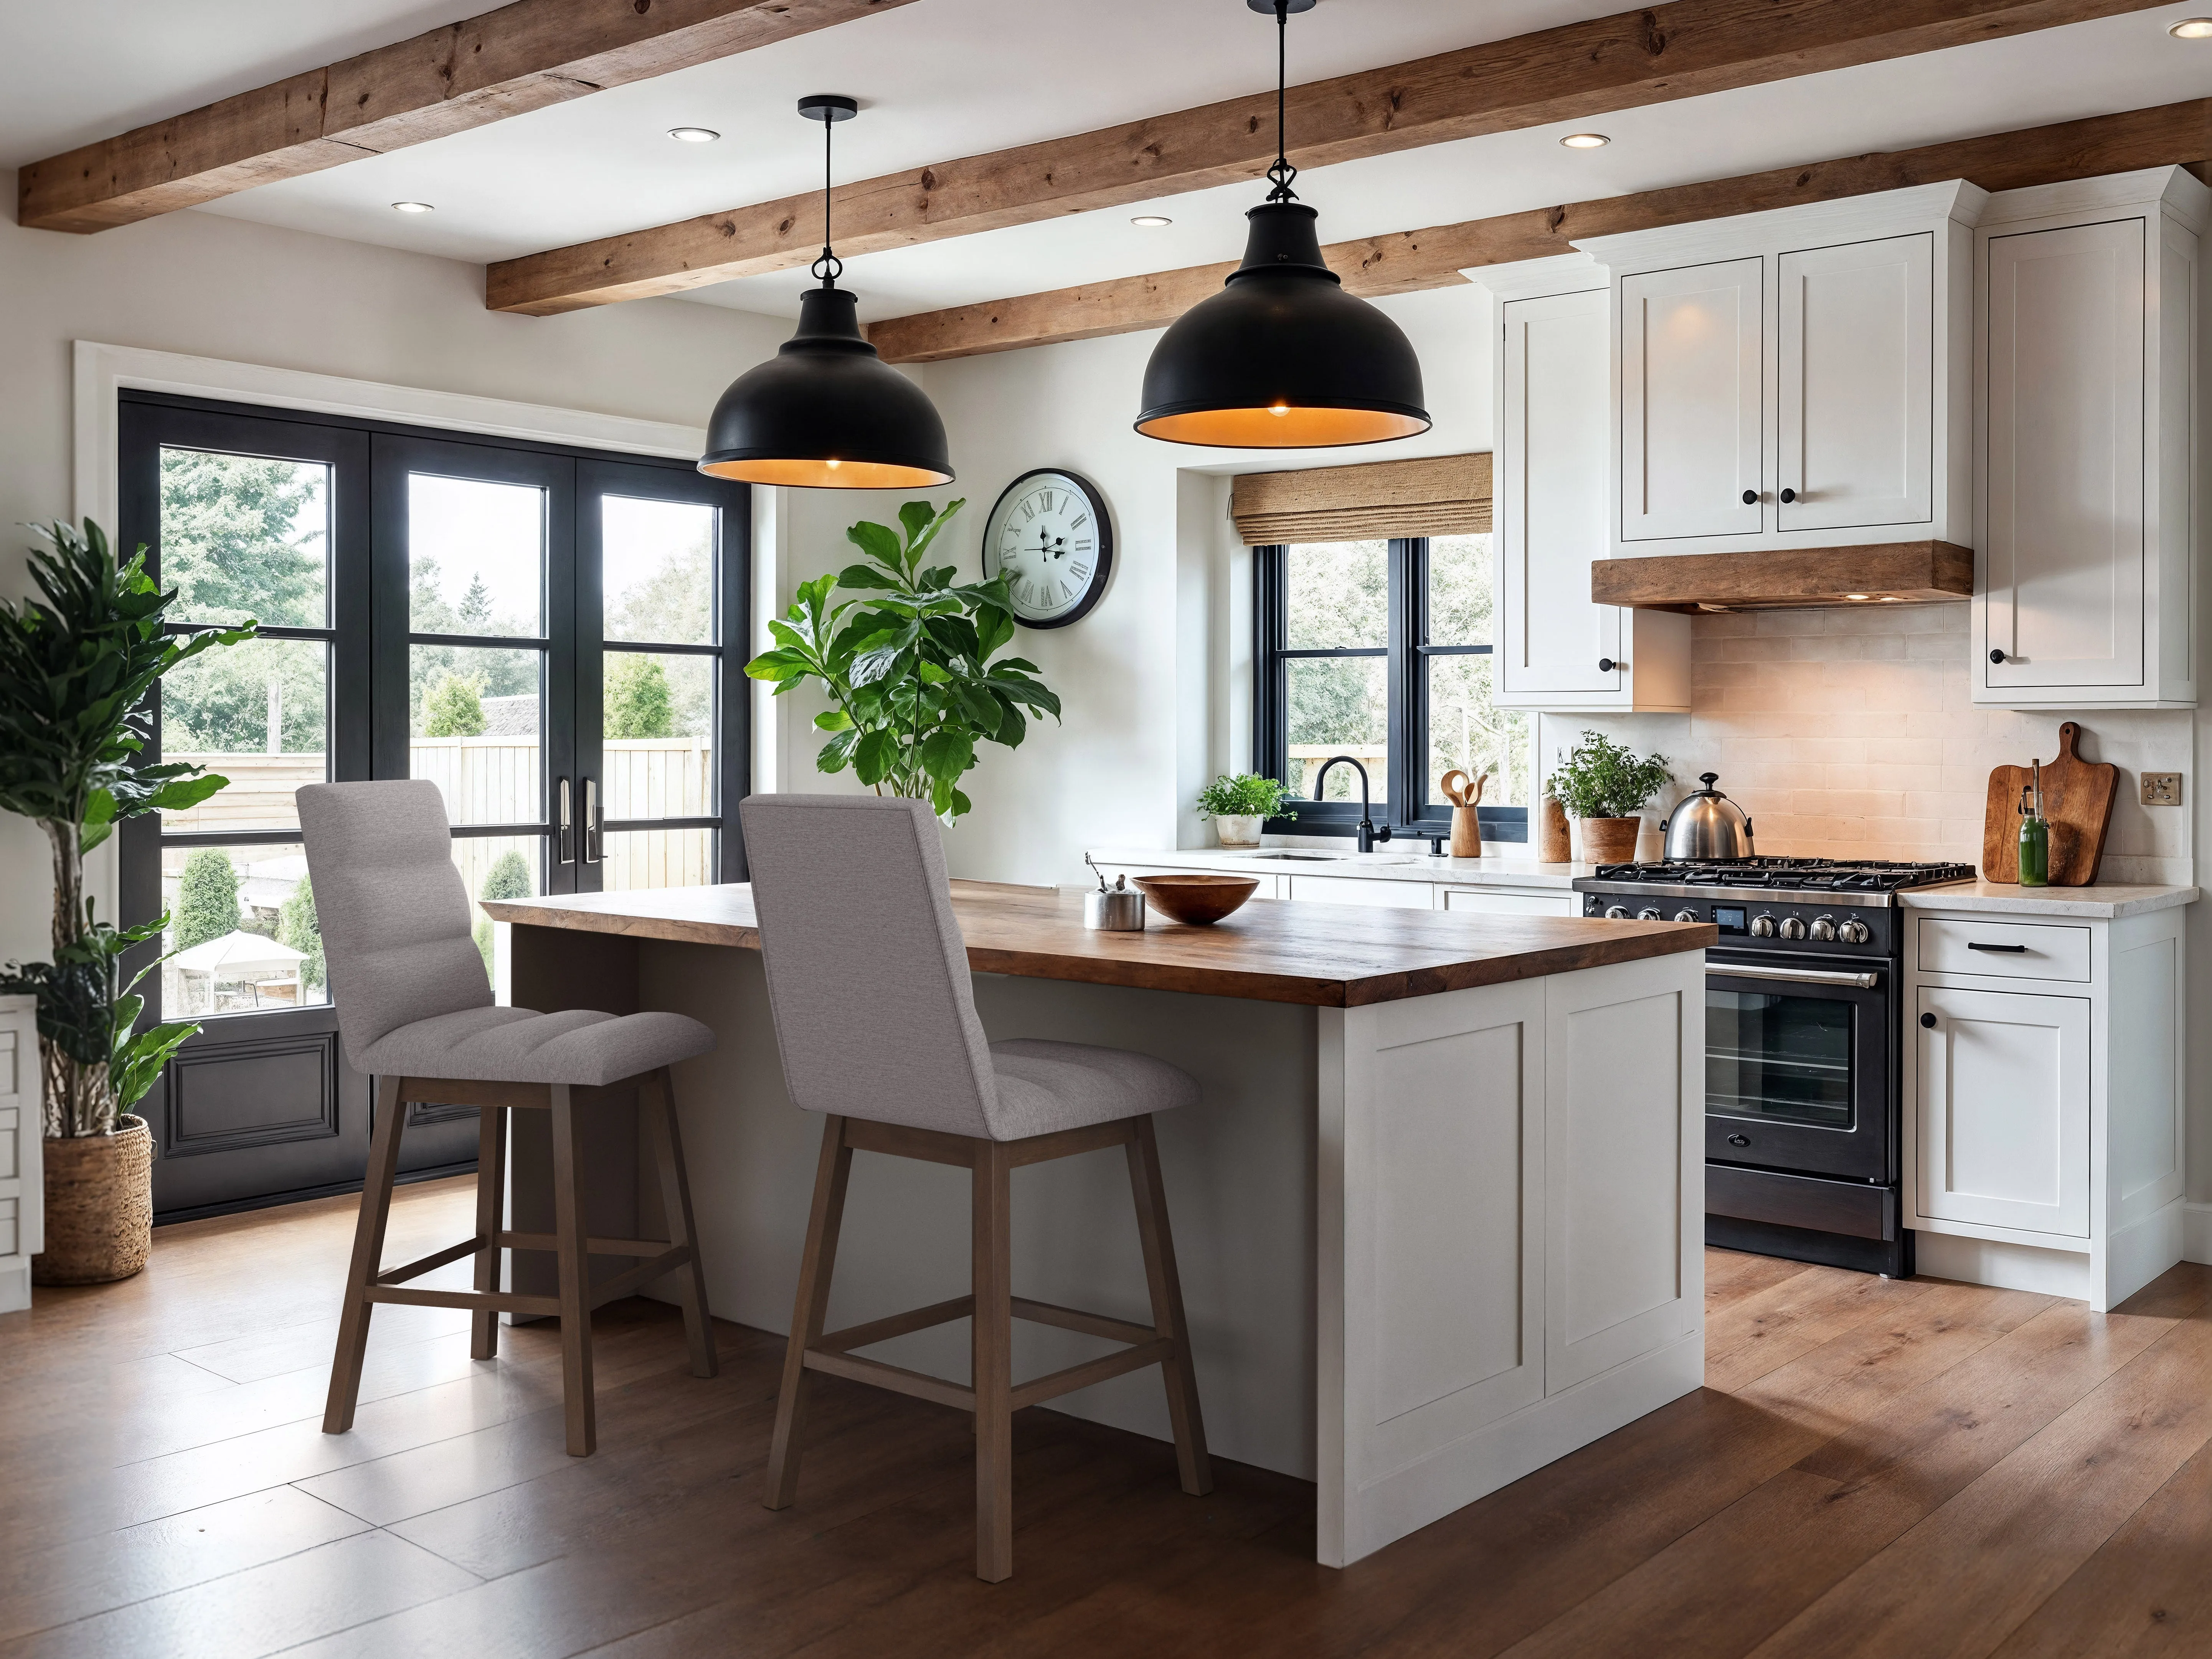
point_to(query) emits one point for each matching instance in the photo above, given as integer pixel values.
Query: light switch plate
(2161, 789)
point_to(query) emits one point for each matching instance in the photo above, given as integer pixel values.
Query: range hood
(1896, 573)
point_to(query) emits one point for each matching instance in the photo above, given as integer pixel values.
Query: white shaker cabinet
(2086, 351)
(21, 1226)
(2004, 1109)
(1691, 405)
(1552, 390)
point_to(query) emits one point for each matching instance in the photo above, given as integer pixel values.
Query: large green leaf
(878, 542)
(875, 754)
(946, 753)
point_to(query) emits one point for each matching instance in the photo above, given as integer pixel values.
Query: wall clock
(1050, 537)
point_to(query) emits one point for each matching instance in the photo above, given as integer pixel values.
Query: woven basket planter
(99, 1206)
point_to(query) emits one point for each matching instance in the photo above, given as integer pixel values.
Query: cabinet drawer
(2008, 950)
(1361, 889)
(1488, 901)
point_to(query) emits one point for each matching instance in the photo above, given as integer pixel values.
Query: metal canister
(1116, 909)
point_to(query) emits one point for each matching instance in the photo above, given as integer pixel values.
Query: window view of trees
(1466, 734)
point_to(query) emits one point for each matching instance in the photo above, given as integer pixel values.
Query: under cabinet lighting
(693, 135)
(2192, 28)
(1585, 140)
(411, 207)
(1858, 596)
(1152, 221)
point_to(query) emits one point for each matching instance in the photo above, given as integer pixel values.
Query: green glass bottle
(2034, 836)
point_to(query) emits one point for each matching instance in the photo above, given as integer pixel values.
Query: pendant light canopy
(1283, 358)
(826, 412)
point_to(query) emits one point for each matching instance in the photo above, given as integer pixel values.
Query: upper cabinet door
(1551, 494)
(1690, 373)
(1857, 385)
(2064, 532)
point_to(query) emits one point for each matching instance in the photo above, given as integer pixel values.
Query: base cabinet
(2044, 1108)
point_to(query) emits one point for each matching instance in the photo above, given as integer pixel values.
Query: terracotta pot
(1238, 831)
(1610, 841)
(99, 1206)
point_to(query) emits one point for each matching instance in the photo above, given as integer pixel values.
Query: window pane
(1339, 706)
(243, 537)
(1467, 734)
(1339, 594)
(476, 556)
(257, 713)
(1459, 590)
(659, 749)
(476, 731)
(658, 573)
(498, 867)
(657, 858)
(242, 926)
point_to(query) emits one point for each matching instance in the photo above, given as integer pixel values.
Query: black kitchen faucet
(1368, 835)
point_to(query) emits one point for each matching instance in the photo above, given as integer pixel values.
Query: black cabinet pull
(1739, 1140)
(1607, 665)
(1751, 498)
(1997, 656)
(1928, 1020)
(1999, 950)
(1789, 494)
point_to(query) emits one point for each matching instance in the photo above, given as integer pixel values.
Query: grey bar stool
(855, 915)
(415, 1009)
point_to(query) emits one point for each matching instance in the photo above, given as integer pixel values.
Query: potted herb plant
(1605, 784)
(1241, 805)
(74, 674)
(913, 667)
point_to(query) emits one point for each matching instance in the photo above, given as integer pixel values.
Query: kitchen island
(1439, 1213)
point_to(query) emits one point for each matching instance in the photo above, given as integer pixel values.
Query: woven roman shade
(1440, 495)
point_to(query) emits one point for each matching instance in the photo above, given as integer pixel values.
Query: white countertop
(1388, 863)
(2103, 903)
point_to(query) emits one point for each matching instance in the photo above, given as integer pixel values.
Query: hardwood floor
(1875, 1467)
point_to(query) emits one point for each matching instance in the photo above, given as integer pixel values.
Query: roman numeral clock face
(1050, 537)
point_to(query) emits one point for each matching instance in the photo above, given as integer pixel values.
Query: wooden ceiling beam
(2168, 134)
(1650, 56)
(521, 57)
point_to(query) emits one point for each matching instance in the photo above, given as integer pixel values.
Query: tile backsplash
(1848, 733)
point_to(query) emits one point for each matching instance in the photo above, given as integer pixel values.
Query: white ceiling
(938, 79)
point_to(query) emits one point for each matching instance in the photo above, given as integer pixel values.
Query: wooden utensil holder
(1466, 833)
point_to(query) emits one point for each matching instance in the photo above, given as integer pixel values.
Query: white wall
(215, 287)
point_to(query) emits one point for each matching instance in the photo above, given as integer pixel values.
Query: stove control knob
(1822, 930)
(1685, 916)
(1793, 927)
(1853, 931)
(1616, 913)
(1648, 913)
(1762, 926)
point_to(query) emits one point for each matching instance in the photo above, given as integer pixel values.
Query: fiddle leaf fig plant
(913, 667)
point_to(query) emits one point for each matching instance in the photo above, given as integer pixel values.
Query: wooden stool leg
(991, 1210)
(1192, 1465)
(367, 1256)
(491, 1183)
(575, 1264)
(808, 1311)
(676, 1201)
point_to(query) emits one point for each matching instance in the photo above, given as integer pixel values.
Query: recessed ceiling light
(1152, 221)
(693, 135)
(411, 207)
(2192, 28)
(1585, 140)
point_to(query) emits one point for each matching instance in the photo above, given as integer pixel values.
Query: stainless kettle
(1708, 826)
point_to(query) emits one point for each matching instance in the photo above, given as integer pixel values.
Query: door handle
(1998, 949)
(1751, 498)
(1789, 496)
(1793, 975)
(591, 820)
(564, 827)
(1607, 665)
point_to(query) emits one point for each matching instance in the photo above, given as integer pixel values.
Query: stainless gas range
(1803, 1118)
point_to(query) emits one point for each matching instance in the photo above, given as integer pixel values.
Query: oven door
(1798, 1065)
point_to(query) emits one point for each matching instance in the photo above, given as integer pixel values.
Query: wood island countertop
(1328, 956)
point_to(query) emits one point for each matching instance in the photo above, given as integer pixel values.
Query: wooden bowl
(1196, 900)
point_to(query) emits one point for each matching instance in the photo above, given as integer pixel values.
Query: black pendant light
(825, 412)
(1282, 358)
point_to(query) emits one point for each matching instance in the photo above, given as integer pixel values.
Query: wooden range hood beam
(1650, 56)
(1416, 260)
(1912, 573)
(520, 58)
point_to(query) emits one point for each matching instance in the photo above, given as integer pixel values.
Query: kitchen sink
(1324, 858)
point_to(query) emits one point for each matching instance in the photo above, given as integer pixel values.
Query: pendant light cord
(1282, 172)
(829, 267)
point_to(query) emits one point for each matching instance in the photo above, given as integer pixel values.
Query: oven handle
(1795, 976)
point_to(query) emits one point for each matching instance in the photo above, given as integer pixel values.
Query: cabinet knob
(1607, 665)
(1789, 494)
(1751, 498)
(1739, 1140)
(1997, 655)
(1928, 1020)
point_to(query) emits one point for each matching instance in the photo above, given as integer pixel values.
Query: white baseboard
(15, 1285)
(2197, 1232)
(2007, 1266)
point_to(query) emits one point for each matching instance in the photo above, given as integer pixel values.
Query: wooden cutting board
(2077, 801)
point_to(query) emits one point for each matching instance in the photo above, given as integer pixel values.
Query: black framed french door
(432, 605)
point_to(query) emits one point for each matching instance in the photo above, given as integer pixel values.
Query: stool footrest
(623, 1283)
(895, 1377)
(1056, 1383)
(422, 1265)
(474, 1301)
(1075, 1319)
(512, 1241)
(884, 1329)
